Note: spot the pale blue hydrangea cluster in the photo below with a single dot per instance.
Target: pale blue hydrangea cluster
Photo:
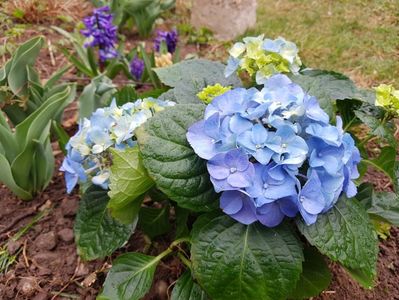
(273, 153)
(262, 58)
(88, 158)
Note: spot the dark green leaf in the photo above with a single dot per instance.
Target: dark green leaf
(182, 215)
(385, 162)
(129, 178)
(386, 206)
(97, 234)
(126, 94)
(171, 162)
(234, 261)
(315, 277)
(186, 289)
(327, 87)
(378, 128)
(130, 277)
(346, 235)
(154, 221)
(189, 77)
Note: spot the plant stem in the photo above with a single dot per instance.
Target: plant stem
(171, 247)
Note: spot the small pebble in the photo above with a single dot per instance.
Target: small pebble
(46, 241)
(66, 235)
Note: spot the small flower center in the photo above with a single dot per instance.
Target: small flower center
(258, 146)
(265, 185)
(302, 199)
(284, 145)
(233, 170)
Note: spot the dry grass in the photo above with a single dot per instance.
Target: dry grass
(45, 11)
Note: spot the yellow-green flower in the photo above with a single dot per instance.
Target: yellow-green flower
(212, 91)
(262, 58)
(387, 96)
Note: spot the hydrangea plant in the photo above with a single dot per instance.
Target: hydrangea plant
(258, 186)
(88, 158)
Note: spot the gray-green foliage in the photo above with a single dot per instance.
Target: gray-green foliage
(26, 157)
(28, 110)
(21, 89)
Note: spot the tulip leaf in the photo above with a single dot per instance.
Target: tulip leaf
(176, 170)
(24, 56)
(385, 205)
(129, 178)
(189, 77)
(346, 235)
(249, 262)
(97, 233)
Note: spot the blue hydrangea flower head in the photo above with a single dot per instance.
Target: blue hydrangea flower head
(230, 170)
(100, 32)
(170, 38)
(88, 157)
(137, 68)
(272, 152)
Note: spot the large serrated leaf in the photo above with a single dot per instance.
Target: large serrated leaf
(189, 77)
(385, 205)
(234, 261)
(315, 276)
(327, 87)
(129, 178)
(171, 162)
(97, 234)
(385, 162)
(130, 277)
(154, 221)
(346, 235)
(186, 289)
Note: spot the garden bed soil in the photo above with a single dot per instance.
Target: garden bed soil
(48, 267)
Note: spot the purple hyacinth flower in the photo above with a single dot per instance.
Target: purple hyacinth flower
(238, 206)
(231, 170)
(169, 37)
(100, 32)
(137, 68)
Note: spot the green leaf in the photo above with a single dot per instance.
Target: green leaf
(186, 289)
(33, 125)
(7, 179)
(171, 162)
(24, 56)
(385, 162)
(234, 261)
(154, 221)
(129, 178)
(182, 215)
(62, 136)
(327, 87)
(129, 213)
(385, 205)
(97, 234)
(378, 128)
(346, 235)
(189, 77)
(126, 94)
(130, 277)
(315, 278)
